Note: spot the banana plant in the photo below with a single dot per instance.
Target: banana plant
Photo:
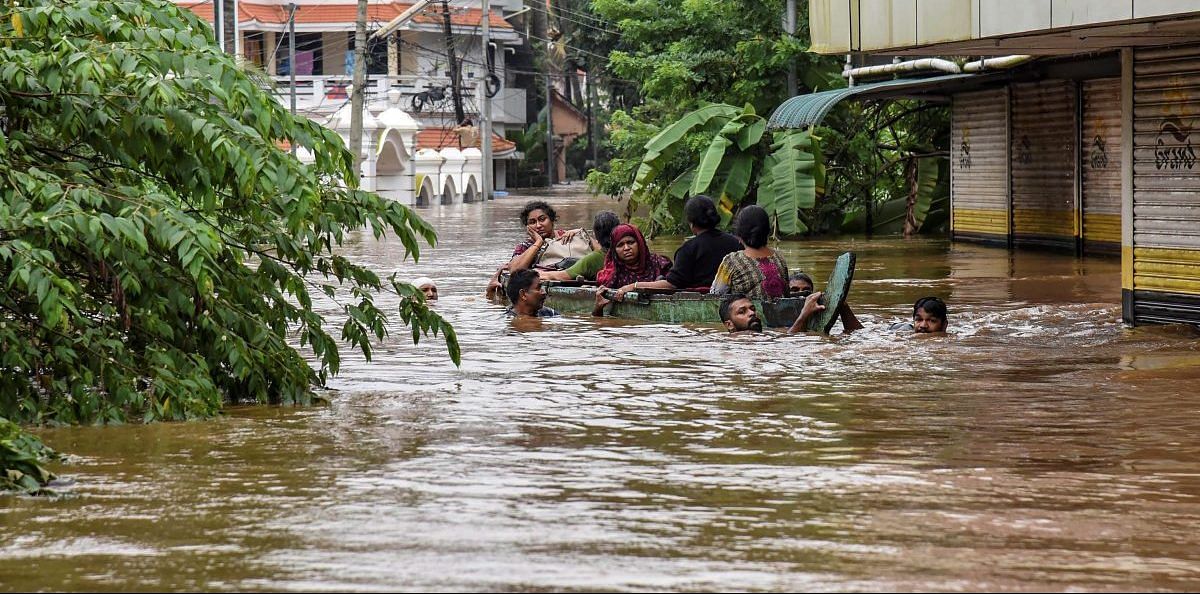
(735, 146)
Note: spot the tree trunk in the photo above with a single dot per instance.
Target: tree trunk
(910, 176)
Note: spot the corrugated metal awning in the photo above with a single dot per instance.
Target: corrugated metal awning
(803, 111)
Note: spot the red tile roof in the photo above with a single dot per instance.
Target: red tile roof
(439, 138)
(378, 13)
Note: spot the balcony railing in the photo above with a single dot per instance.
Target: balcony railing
(329, 92)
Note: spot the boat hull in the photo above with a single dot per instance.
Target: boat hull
(675, 308)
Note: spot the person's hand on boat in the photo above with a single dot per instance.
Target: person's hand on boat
(601, 302)
(620, 294)
(812, 305)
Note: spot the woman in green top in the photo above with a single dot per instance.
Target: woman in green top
(587, 266)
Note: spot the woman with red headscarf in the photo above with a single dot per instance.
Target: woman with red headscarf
(629, 261)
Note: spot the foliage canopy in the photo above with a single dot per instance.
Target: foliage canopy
(159, 252)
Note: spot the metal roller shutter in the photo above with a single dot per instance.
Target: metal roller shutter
(1101, 164)
(1166, 185)
(979, 166)
(1043, 161)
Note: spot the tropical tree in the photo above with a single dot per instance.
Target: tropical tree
(685, 55)
(788, 172)
(159, 251)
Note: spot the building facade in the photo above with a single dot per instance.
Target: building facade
(1072, 123)
(408, 73)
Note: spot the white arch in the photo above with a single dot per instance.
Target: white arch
(449, 193)
(471, 191)
(426, 193)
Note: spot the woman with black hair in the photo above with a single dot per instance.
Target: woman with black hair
(757, 270)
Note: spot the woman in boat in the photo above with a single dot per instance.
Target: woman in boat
(696, 261)
(544, 245)
(629, 260)
(757, 271)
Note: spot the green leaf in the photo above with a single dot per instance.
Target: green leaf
(737, 180)
(679, 188)
(663, 145)
(751, 134)
(709, 164)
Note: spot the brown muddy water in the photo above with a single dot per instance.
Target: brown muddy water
(1039, 446)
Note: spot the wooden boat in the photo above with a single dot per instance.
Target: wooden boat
(676, 307)
(672, 307)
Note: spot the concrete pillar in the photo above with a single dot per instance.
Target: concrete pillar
(393, 51)
(1127, 185)
(270, 42)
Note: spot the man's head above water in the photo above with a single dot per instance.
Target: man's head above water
(929, 315)
(800, 284)
(525, 292)
(738, 314)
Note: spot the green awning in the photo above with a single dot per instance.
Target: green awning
(803, 111)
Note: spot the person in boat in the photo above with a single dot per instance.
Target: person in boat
(630, 260)
(590, 265)
(739, 314)
(757, 271)
(929, 317)
(696, 261)
(426, 285)
(544, 245)
(527, 296)
(799, 285)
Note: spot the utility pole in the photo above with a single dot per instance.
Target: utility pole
(485, 106)
(593, 134)
(292, 57)
(789, 25)
(551, 162)
(455, 76)
(359, 82)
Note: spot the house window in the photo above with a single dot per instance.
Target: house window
(310, 55)
(252, 47)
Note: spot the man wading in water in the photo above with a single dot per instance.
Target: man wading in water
(739, 315)
(929, 317)
(527, 296)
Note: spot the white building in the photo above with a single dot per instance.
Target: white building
(408, 84)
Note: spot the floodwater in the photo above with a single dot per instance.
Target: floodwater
(1039, 446)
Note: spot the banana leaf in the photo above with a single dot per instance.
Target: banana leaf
(662, 147)
(713, 156)
(737, 180)
(766, 188)
(749, 135)
(679, 187)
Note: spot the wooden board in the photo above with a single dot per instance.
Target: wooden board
(835, 293)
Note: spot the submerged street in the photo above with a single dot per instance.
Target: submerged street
(1041, 445)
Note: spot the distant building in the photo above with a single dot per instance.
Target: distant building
(408, 72)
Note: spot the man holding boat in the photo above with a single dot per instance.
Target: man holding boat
(738, 314)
